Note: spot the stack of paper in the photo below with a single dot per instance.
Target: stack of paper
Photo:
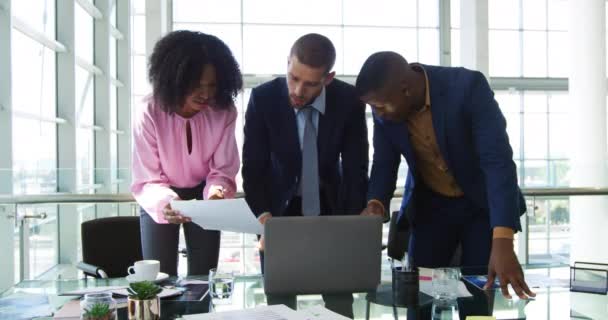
(277, 312)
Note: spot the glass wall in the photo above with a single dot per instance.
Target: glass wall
(34, 78)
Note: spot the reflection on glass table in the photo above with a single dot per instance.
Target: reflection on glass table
(553, 301)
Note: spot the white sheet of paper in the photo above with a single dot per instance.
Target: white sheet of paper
(426, 284)
(121, 290)
(276, 312)
(322, 313)
(225, 215)
(84, 291)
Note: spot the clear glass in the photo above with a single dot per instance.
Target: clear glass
(558, 13)
(535, 125)
(33, 76)
(229, 33)
(559, 125)
(455, 13)
(141, 86)
(550, 303)
(503, 14)
(559, 54)
(534, 14)
(455, 51)
(43, 239)
(504, 53)
(34, 156)
(535, 54)
(445, 282)
(139, 6)
(84, 34)
(41, 17)
(221, 285)
(445, 309)
(428, 13)
(361, 42)
(381, 13)
(207, 11)
(139, 35)
(271, 58)
(93, 305)
(314, 12)
(535, 173)
(428, 46)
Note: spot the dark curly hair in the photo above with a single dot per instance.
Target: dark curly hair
(176, 65)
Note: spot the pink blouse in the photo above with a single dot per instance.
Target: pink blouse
(161, 159)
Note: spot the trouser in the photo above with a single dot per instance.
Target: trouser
(341, 303)
(442, 224)
(160, 241)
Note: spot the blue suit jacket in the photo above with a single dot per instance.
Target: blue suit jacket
(272, 158)
(471, 134)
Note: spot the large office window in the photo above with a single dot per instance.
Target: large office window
(85, 103)
(260, 33)
(532, 45)
(34, 126)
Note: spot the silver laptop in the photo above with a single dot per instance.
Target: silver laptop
(327, 254)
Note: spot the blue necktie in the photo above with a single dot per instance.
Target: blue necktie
(310, 167)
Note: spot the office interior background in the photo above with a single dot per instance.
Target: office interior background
(72, 72)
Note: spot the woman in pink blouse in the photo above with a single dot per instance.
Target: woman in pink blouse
(184, 145)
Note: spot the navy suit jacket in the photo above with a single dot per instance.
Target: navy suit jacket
(272, 158)
(472, 137)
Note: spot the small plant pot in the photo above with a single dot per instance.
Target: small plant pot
(144, 309)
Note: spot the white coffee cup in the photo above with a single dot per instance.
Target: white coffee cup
(144, 270)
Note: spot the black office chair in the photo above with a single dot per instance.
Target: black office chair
(398, 237)
(110, 246)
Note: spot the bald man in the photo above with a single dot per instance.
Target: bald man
(461, 187)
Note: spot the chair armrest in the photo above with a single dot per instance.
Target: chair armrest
(92, 270)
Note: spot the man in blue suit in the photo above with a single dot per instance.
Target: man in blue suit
(461, 187)
(305, 150)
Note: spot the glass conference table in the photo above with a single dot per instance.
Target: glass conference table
(556, 302)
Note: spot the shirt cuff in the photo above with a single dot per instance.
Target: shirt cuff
(384, 211)
(213, 188)
(503, 233)
(262, 215)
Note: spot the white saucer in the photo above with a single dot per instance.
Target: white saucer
(159, 277)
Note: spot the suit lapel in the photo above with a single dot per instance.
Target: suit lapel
(325, 122)
(439, 112)
(289, 127)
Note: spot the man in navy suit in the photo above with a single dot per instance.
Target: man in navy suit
(305, 150)
(461, 187)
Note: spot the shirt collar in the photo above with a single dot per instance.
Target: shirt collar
(427, 97)
(319, 102)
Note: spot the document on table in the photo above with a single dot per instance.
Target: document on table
(322, 313)
(120, 290)
(224, 215)
(426, 284)
(276, 312)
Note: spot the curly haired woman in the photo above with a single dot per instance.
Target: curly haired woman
(184, 145)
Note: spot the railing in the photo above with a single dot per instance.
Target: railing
(534, 196)
(127, 197)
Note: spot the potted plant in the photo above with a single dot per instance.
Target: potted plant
(98, 306)
(98, 311)
(143, 301)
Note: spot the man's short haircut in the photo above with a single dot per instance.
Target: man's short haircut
(377, 70)
(314, 50)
